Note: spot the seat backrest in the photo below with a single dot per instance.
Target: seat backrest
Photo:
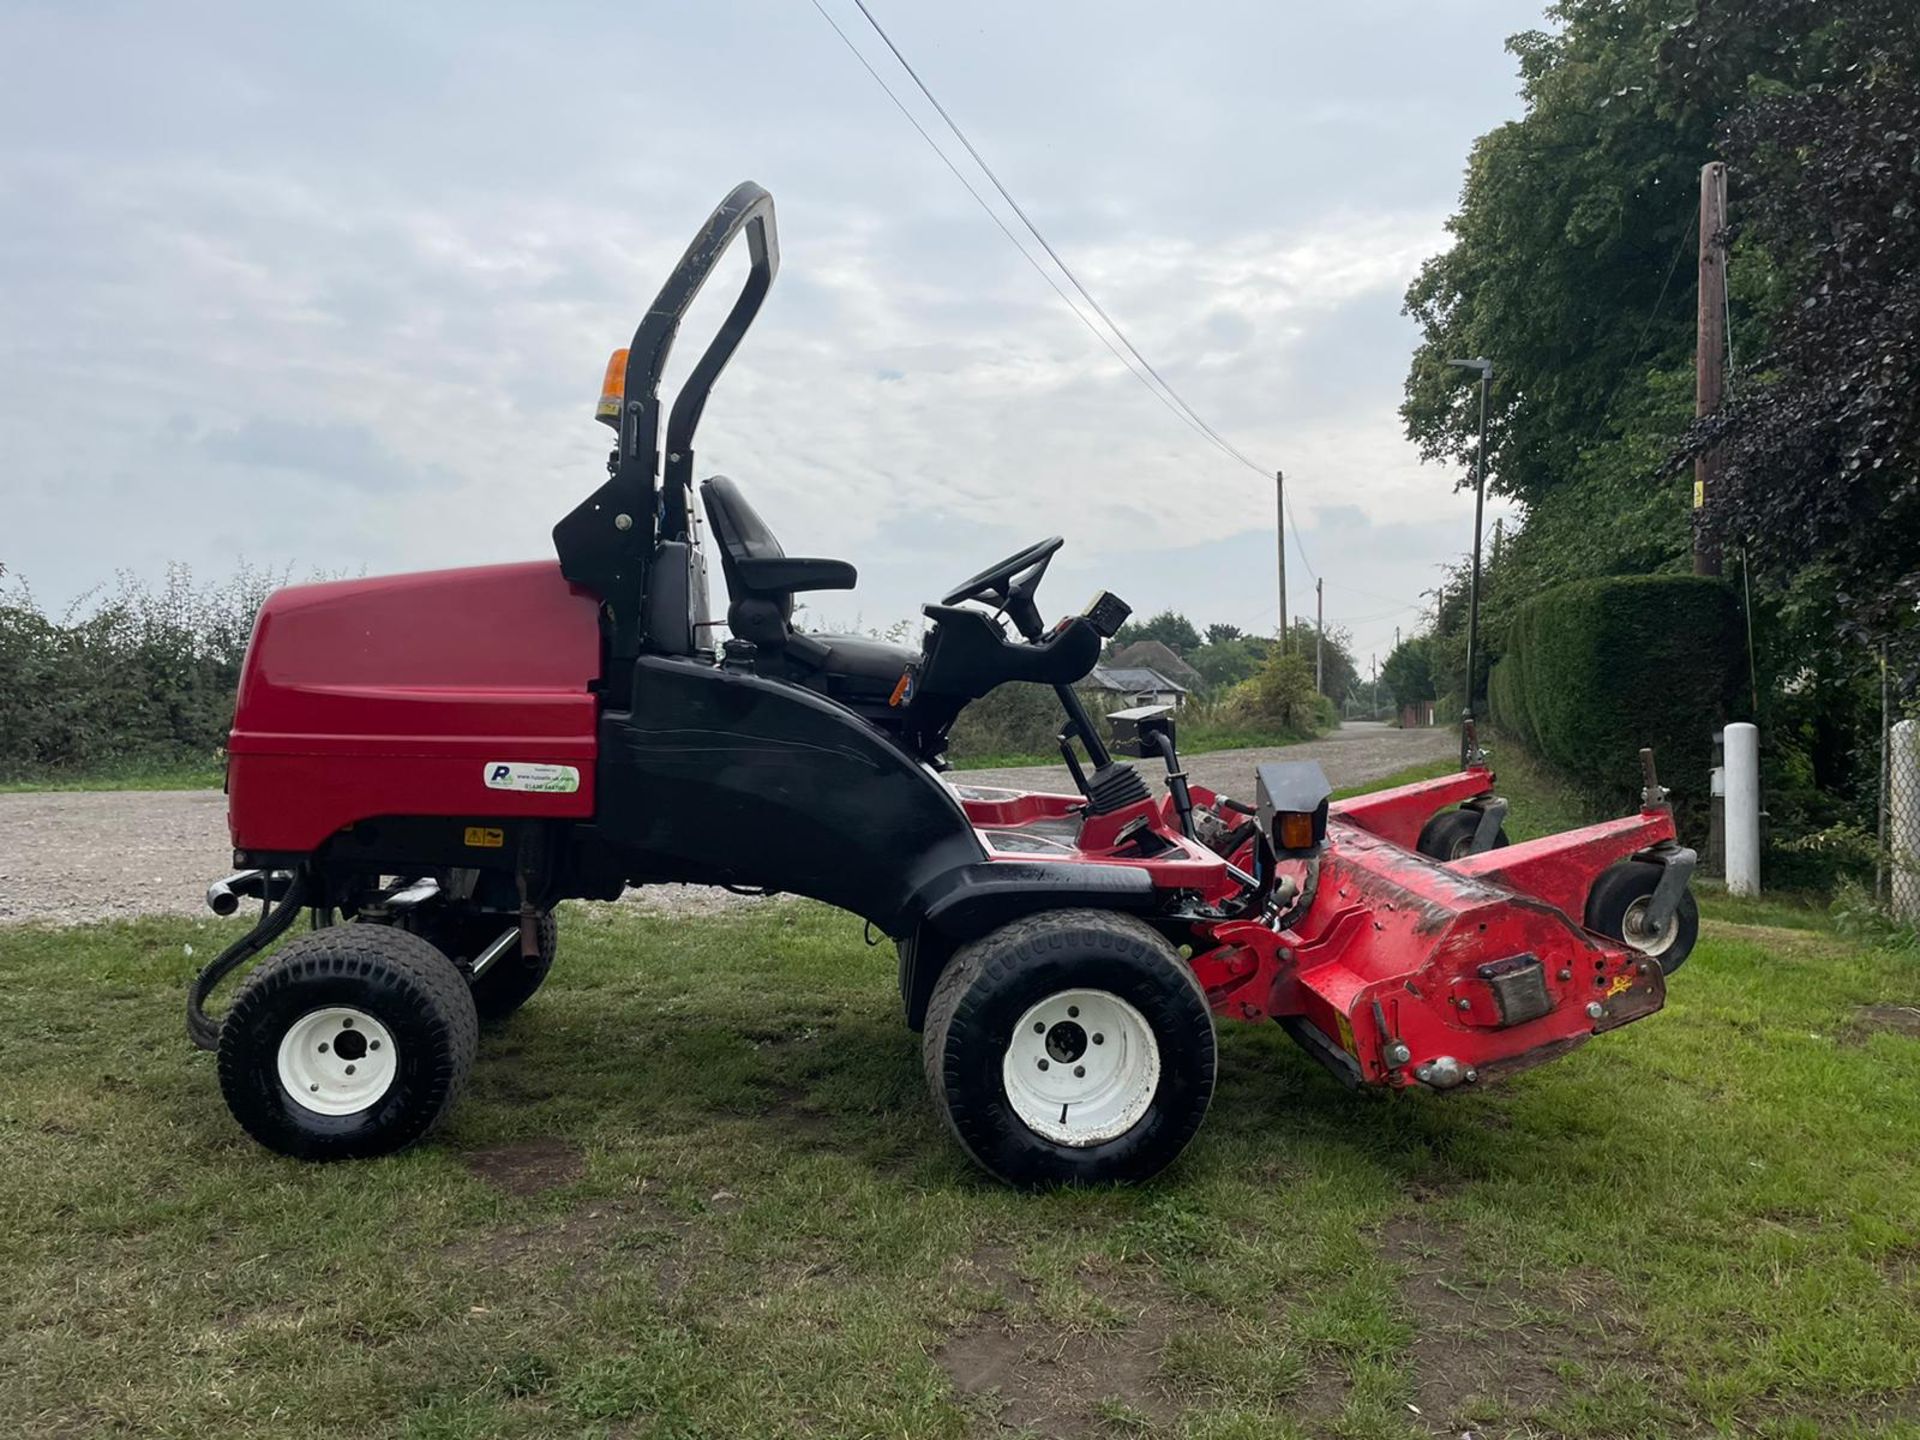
(762, 618)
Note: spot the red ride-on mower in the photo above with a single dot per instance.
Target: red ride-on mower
(427, 764)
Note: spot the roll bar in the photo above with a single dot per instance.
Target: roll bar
(604, 543)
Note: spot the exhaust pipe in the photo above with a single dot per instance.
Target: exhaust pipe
(224, 896)
(484, 960)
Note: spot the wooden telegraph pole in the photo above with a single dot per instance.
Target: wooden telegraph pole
(1710, 346)
(1320, 638)
(1280, 533)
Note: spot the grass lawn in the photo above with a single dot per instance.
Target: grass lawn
(697, 1190)
(207, 776)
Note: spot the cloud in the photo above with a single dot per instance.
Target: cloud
(382, 258)
(335, 453)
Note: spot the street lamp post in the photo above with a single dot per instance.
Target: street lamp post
(1485, 367)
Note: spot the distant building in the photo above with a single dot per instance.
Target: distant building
(1137, 685)
(1156, 655)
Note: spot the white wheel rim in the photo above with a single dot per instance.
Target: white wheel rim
(1635, 931)
(337, 1060)
(1082, 1067)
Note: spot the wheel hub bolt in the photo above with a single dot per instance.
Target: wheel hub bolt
(1079, 1072)
(1043, 1065)
(1073, 1012)
(323, 1047)
(1098, 1038)
(349, 1069)
(1039, 1027)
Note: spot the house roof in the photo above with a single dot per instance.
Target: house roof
(1130, 679)
(1156, 655)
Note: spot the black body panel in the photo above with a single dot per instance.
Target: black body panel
(721, 776)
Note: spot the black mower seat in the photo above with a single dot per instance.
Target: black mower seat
(762, 580)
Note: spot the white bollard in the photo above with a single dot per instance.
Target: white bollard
(1903, 818)
(1742, 747)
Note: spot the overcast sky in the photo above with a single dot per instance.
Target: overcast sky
(333, 285)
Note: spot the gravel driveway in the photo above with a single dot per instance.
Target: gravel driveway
(72, 856)
(1359, 751)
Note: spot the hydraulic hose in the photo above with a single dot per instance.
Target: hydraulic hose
(202, 1029)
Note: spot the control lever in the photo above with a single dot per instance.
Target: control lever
(1176, 781)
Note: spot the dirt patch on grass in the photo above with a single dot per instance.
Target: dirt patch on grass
(1780, 938)
(577, 1252)
(528, 1167)
(1024, 1373)
(1886, 1020)
(1489, 1352)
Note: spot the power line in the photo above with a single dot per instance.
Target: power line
(1045, 244)
(981, 201)
(1165, 392)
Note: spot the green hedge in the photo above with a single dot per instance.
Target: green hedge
(1596, 669)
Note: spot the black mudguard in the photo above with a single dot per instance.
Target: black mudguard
(720, 776)
(965, 903)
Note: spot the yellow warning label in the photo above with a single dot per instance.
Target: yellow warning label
(1621, 984)
(1346, 1036)
(485, 837)
(1699, 493)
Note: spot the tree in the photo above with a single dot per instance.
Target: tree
(1169, 627)
(1223, 663)
(1819, 440)
(1408, 671)
(1568, 223)
(1342, 676)
(1221, 634)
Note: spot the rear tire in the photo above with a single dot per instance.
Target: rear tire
(1449, 835)
(1084, 1009)
(510, 981)
(352, 1041)
(1617, 905)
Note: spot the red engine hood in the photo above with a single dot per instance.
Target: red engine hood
(393, 696)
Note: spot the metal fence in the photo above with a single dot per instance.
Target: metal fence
(1899, 878)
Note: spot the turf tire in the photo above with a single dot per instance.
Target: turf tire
(990, 984)
(1623, 888)
(410, 988)
(1449, 835)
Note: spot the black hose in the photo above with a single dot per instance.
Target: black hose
(1305, 902)
(202, 1029)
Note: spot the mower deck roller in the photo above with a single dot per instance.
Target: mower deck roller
(425, 765)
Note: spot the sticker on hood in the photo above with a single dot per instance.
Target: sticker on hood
(531, 776)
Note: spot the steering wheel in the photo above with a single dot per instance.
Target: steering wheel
(1009, 586)
(995, 584)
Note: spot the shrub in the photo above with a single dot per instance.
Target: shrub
(1596, 669)
(1281, 694)
(146, 676)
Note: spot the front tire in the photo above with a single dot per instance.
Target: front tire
(352, 1041)
(1071, 1047)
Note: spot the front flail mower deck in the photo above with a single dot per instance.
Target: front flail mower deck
(1399, 968)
